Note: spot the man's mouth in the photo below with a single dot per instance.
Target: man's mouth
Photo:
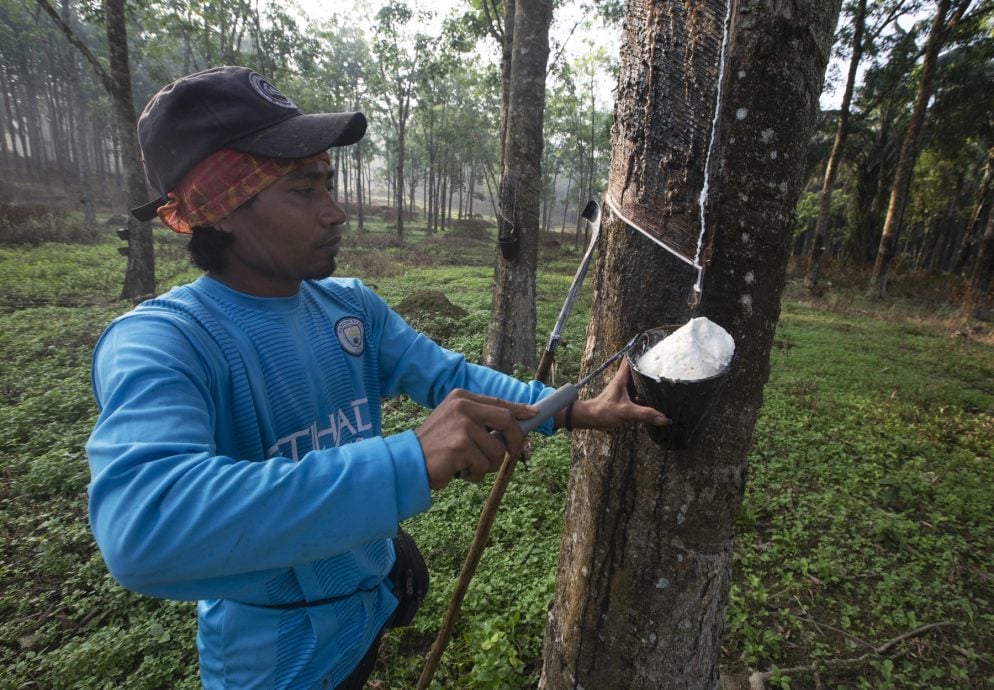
(333, 243)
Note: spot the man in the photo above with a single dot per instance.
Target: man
(237, 458)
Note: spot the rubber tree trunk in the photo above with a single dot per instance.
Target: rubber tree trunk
(909, 154)
(832, 167)
(646, 554)
(511, 330)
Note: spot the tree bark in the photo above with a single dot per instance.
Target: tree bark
(645, 563)
(832, 167)
(909, 153)
(511, 330)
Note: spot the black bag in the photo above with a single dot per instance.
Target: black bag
(410, 580)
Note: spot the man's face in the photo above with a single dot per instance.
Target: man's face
(291, 232)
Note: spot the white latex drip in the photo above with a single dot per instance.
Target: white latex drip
(706, 187)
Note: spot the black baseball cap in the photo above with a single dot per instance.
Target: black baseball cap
(229, 107)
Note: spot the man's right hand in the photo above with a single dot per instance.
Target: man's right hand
(456, 437)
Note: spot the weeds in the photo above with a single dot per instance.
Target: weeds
(34, 225)
(866, 515)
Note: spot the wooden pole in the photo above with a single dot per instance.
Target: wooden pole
(468, 569)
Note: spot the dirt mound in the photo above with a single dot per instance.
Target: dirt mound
(430, 312)
(425, 303)
(471, 228)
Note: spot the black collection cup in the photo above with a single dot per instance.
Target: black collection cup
(687, 404)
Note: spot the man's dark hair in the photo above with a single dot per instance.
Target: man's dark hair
(207, 248)
(208, 244)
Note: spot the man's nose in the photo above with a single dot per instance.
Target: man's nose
(332, 213)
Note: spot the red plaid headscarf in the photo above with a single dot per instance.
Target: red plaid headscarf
(221, 183)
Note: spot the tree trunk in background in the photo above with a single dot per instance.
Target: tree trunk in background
(983, 268)
(646, 554)
(359, 188)
(15, 124)
(78, 138)
(32, 124)
(909, 154)
(139, 278)
(8, 141)
(507, 48)
(981, 207)
(511, 331)
(399, 169)
(832, 168)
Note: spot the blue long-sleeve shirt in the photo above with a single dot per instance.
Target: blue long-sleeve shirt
(237, 460)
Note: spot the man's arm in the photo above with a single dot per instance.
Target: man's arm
(174, 518)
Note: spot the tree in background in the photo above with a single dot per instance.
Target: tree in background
(511, 330)
(983, 199)
(947, 14)
(338, 80)
(185, 36)
(645, 562)
(139, 278)
(61, 129)
(880, 104)
(958, 141)
(398, 61)
(577, 134)
(835, 158)
(982, 275)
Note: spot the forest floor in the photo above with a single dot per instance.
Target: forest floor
(864, 550)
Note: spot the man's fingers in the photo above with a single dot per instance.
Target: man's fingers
(518, 410)
(494, 418)
(468, 436)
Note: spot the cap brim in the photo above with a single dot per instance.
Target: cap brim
(304, 135)
(147, 212)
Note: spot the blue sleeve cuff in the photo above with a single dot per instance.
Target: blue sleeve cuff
(546, 428)
(413, 493)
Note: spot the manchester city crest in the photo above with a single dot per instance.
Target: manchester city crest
(350, 334)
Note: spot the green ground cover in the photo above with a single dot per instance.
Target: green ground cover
(867, 514)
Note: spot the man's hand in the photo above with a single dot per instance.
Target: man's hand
(456, 437)
(613, 407)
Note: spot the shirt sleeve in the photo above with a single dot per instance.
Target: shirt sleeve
(413, 364)
(173, 518)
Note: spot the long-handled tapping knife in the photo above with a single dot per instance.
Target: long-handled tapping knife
(547, 407)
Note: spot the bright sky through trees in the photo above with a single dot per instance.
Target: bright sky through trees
(581, 31)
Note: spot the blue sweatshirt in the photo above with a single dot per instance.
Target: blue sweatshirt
(237, 460)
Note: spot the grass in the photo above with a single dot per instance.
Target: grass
(867, 511)
(866, 516)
